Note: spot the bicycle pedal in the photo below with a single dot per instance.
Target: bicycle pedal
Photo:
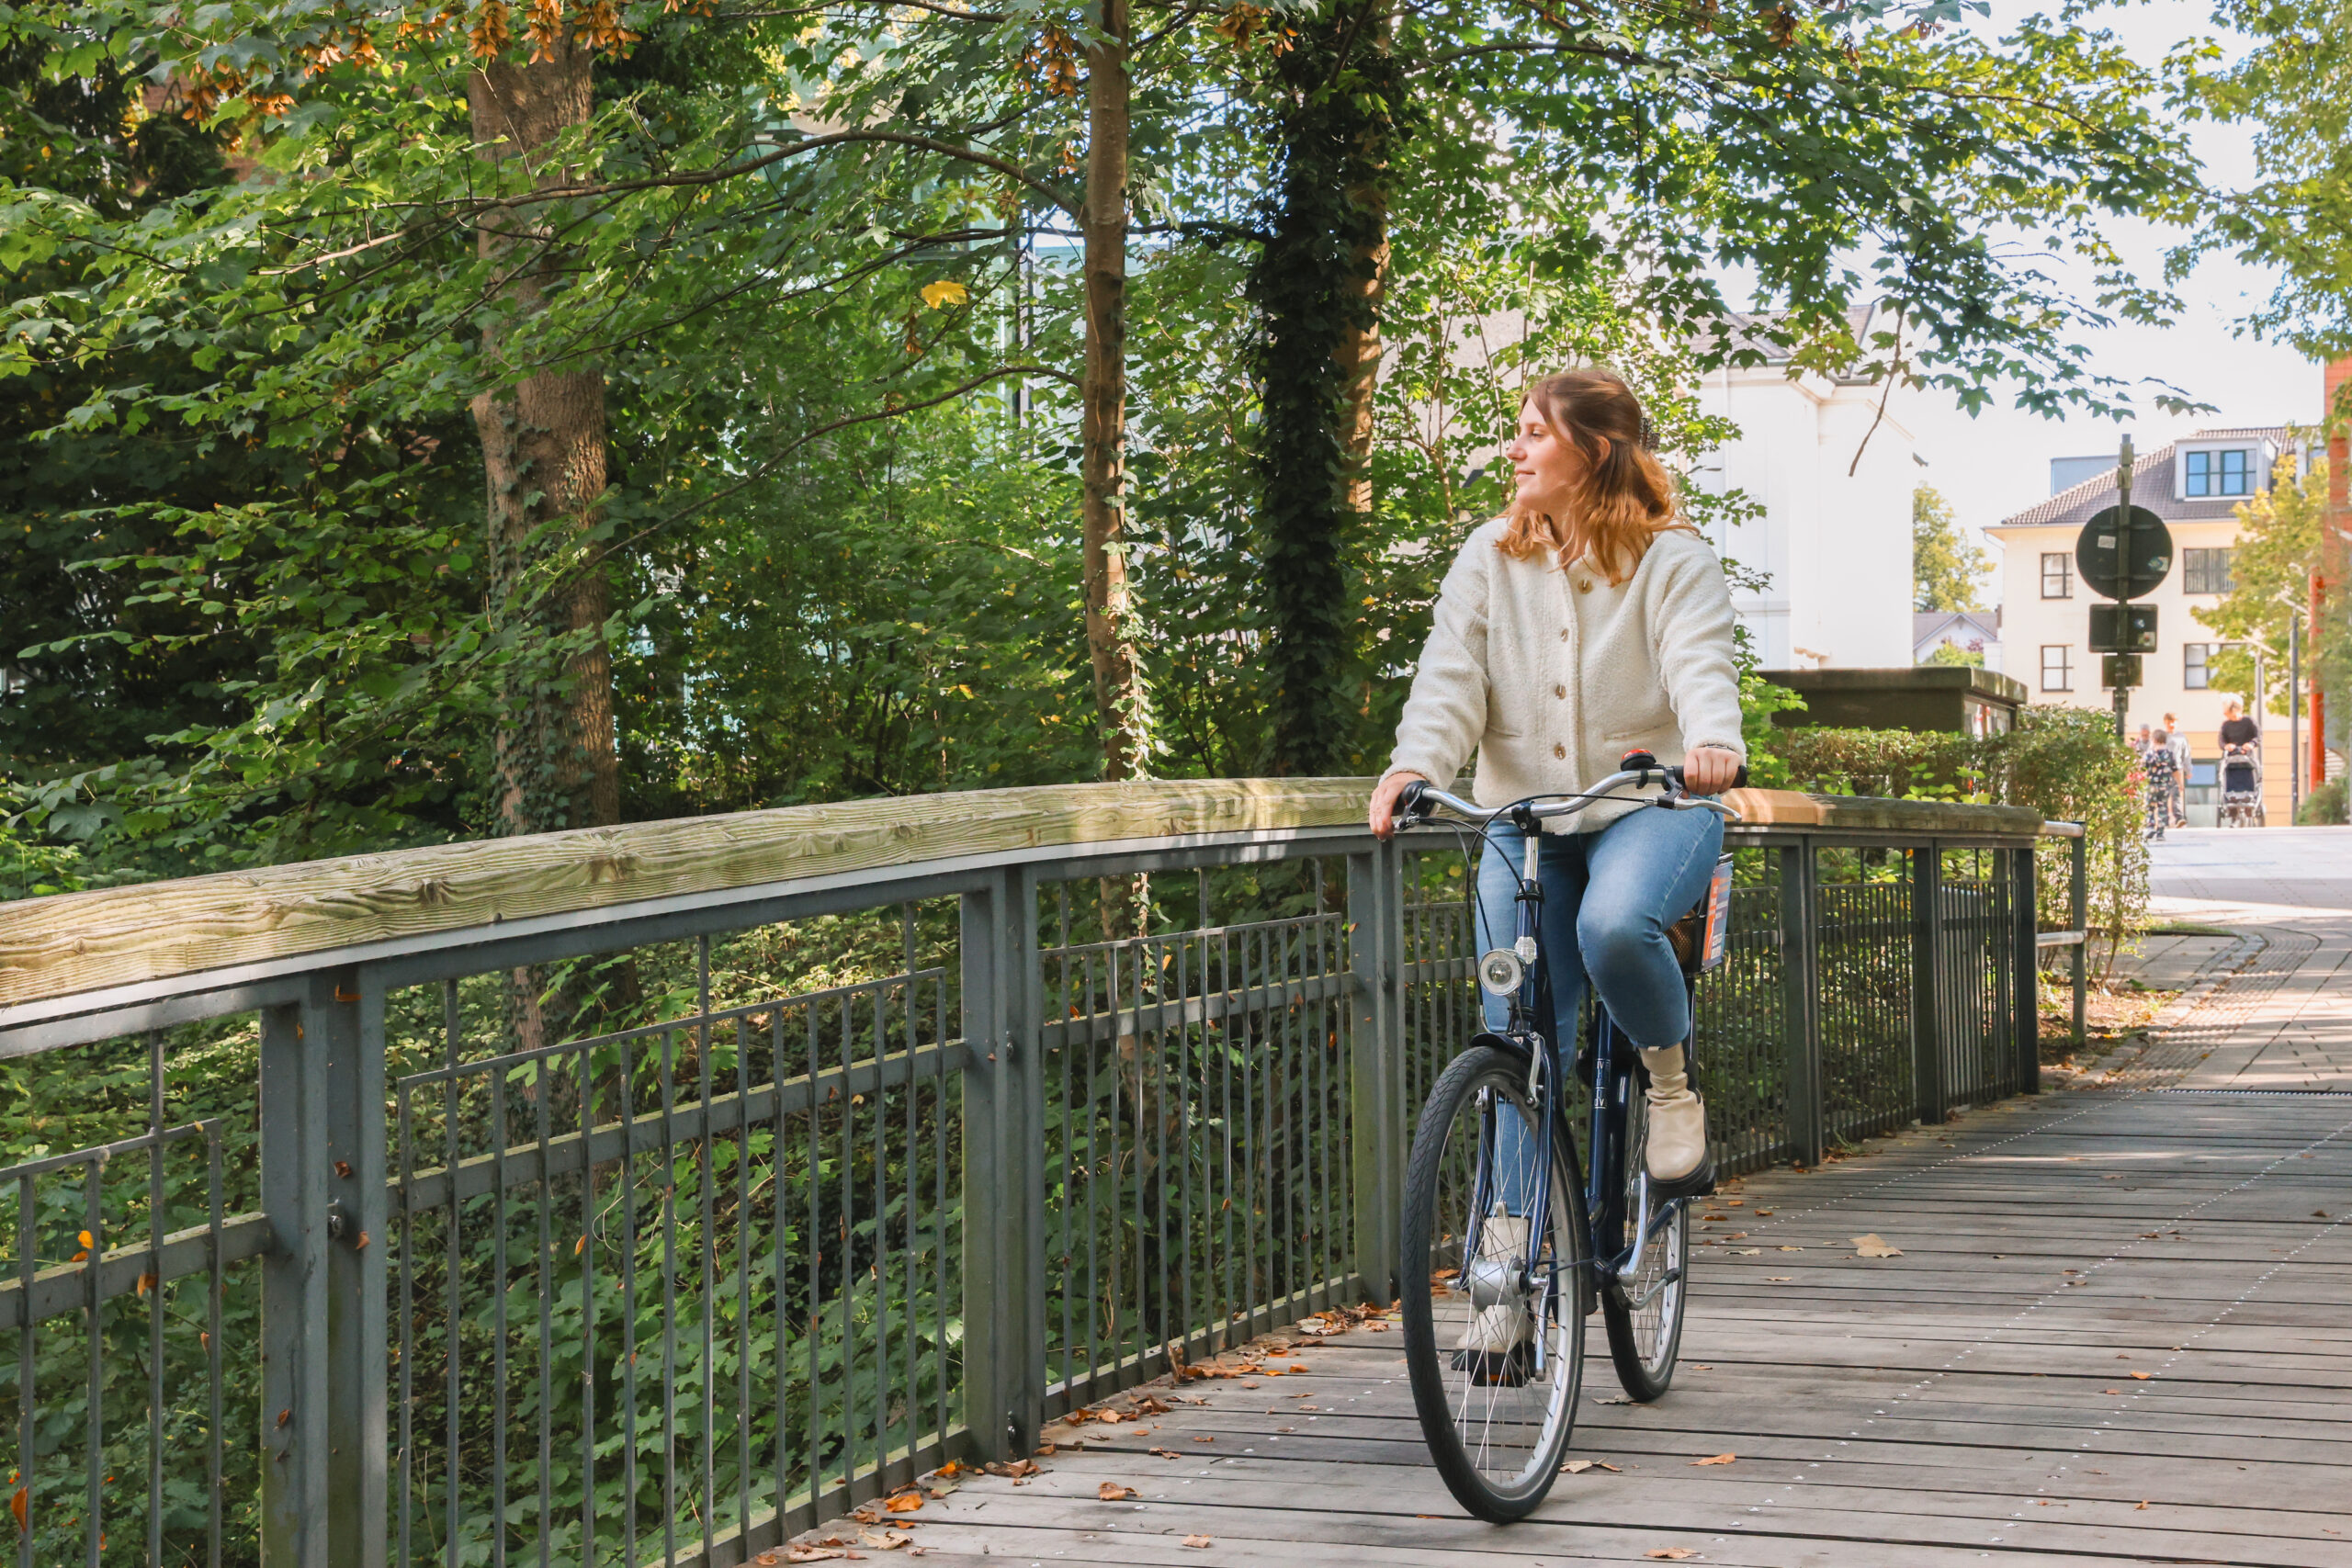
(1497, 1368)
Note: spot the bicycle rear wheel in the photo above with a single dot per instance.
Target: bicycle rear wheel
(1496, 1420)
(1642, 1310)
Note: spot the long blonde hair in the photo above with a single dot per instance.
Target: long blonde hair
(1626, 497)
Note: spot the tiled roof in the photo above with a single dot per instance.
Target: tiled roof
(2152, 487)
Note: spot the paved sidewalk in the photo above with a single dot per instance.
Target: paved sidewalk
(2272, 1009)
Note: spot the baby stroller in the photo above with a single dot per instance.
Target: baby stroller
(2241, 787)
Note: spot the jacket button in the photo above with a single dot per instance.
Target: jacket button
(1564, 634)
(1559, 691)
(1559, 750)
(1584, 585)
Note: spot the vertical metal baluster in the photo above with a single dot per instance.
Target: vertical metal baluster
(93, 1248)
(1226, 1036)
(1126, 963)
(544, 1081)
(940, 1113)
(154, 1298)
(668, 1086)
(627, 1197)
(1324, 1022)
(880, 1117)
(586, 1068)
(216, 1445)
(743, 1285)
(1069, 1192)
(1182, 1030)
(707, 1173)
(1085, 1102)
(909, 1253)
(451, 1026)
(845, 1201)
(816, 1261)
(27, 1268)
(495, 1082)
(777, 1181)
(1159, 1197)
(407, 1124)
(1252, 947)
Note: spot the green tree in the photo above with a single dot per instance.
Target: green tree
(1946, 569)
(2278, 550)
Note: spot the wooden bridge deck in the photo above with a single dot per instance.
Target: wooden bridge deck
(2117, 1331)
(2120, 1332)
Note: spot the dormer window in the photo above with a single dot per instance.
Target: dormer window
(2226, 472)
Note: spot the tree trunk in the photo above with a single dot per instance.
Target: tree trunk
(1317, 282)
(544, 458)
(543, 452)
(1110, 634)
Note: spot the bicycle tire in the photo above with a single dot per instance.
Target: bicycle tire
(1643, 1317)
(1457, 1400)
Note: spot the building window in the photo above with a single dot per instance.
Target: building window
(2057, 575)
(2219, 473)
(2194, 662)
(2057, 667)
(2205, 572)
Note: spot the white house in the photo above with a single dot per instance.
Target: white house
(1833, 466)
(1970, 631)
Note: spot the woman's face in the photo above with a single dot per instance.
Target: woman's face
(2231, 710)
(1544, 462)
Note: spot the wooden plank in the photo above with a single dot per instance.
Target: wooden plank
(75, 942)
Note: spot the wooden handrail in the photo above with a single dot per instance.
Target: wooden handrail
(75, 942)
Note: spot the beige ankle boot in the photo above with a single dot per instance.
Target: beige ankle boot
(1677, 1133)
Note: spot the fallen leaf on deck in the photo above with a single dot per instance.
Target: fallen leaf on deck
(2143, 1377)
(905, 1503)
(1778, 1279)
(1205, 1440)
(1575, 1467)
(1168, 1453)
(1196, 1540)
(1763, 1213)
(1111, 1492)
(1018, 1467)
(1785, 1248)
(1746, 1252)
(1717, 1459)
(1874, 1247)
(1149, 1406)
(1672, 1553)
(883, 1542)
(811, 1553)
(1701, 1367)
(943, 1488)
(2143, 1503)
(1112, 1416)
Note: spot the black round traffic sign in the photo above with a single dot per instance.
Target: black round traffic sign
(2100, 553)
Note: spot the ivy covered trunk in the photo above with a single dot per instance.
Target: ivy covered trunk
(1316, 283)
(555, 761)
(543, 453)
(1110, 615)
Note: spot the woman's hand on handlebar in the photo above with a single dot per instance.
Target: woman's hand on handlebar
(1710, 769)
(1383, 802)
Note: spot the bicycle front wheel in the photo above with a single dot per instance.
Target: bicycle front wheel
(1494, 1335)
(1642, 1309)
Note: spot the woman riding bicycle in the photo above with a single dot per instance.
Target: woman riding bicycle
(1589, 621)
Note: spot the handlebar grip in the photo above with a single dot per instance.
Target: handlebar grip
(1738, 780)
(1414, 803)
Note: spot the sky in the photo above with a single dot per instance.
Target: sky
(1998, 463)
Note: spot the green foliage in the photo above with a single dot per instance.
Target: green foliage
(1946, 569)
(2277, 554)
(2065, 762)
(2323, 807)
(1951, 653)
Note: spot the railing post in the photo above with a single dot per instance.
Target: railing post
(1005, 1347)
(1801, 1001)
(323, 1328)
(2078, 911)
(1376, 935)
(1928, 987)
(2025, 926)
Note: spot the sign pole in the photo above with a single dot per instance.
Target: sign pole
(2123, 553)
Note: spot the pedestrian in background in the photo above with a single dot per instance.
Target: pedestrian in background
(2156, 766)
(2179, 770)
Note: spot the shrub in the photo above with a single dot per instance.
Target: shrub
(2323, 807)
(2067, 763)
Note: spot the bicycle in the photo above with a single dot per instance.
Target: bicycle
(1602, 1239)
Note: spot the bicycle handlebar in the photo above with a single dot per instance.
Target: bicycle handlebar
(1421, 799)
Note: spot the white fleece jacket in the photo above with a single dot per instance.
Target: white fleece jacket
(1554, 675)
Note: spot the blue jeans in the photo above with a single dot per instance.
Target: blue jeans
(1607, 898)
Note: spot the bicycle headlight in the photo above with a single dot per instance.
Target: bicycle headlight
(1500, 971)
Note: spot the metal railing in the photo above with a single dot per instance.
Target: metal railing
(653, 1231)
